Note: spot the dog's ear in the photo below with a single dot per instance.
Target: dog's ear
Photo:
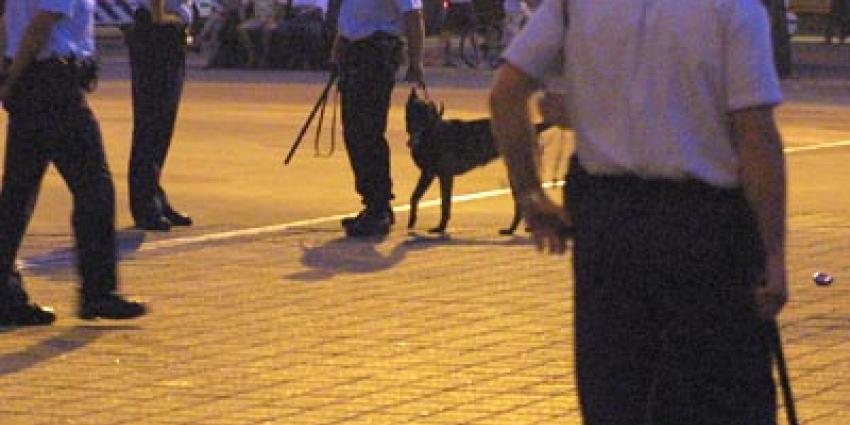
(442, 109)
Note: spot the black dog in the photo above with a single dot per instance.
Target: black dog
(444, 149)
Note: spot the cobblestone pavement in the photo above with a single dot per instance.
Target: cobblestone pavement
(303, 327)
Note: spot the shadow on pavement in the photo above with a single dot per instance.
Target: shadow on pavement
(355, 256)
(55, 346)
(62, 260)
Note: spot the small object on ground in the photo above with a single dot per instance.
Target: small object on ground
(822, 279)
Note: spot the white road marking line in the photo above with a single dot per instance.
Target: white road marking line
(818, 146)
(254, 231)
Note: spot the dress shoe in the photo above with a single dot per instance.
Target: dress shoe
(177, 218)
(370, 222)
(110, 306)
(26, 314)
(156, 223)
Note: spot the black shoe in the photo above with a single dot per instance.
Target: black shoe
(110, 306)
(26, 314)
(370, 222)
(177, 218)
(155, 223)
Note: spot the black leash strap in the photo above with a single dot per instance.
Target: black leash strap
(320, 104)
(775, 344)
(317, 151)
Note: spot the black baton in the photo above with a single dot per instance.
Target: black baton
(323, 98)
(775, 343)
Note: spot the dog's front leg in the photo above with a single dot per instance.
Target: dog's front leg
(446, 184)
(514, 222)
(424, 183)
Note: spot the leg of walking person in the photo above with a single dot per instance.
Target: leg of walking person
(367, 79)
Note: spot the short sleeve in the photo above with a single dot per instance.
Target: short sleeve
(408, 5)
(751, 78)
(538, 48)
(65, 7)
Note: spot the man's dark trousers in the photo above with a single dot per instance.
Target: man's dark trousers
(367, 77)
(666, 329)
(50, 121)
(158, 67)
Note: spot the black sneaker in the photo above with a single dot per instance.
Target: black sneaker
(370, 222)
(26, 314)
(111, 306)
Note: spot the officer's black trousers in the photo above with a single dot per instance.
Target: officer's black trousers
(367, 77)
(666, 329)
(158, 67)
(50, 121)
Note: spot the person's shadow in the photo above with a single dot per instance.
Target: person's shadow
(58, 345)
(60, 262)
(355, 256)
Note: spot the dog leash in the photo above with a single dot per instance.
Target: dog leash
(323, 98)
(317, 151)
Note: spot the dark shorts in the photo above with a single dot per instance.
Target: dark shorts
(459, 17)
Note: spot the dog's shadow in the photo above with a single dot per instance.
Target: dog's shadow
(362, 256)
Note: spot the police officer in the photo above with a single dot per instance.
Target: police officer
(50, 46)
(677, 194)
(368, 52)
(157, 45)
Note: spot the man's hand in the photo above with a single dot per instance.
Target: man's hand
(553, 108)
(549, 223)
(771, 289)
(415, 74)
(5, 90)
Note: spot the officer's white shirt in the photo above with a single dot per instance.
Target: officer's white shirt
(72, 36)
(182, 8)
(650, 83)
(359, 19)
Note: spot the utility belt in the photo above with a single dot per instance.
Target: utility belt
(83, 70)
(378, 38)
(143, 26)
(381, 46)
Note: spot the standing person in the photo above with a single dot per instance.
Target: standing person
(459, 18)
(51, 49)
(677, 195)
(157, 45)
(267, 15)
(368, 51)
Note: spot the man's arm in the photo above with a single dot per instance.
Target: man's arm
(517, 142)
(762, 172)
(35, 38)
(160, 16)
(414, 33)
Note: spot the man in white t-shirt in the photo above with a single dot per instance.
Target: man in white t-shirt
(676, 194)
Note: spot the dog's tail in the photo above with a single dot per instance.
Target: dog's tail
(542, 126)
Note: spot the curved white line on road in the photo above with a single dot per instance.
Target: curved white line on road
(254, 231)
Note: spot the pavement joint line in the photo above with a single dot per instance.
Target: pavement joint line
(275, 228)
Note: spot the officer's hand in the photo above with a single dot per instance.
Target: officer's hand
(415, 74)
(554, 109)
(5, 89)
(548, 222)
(771, 289)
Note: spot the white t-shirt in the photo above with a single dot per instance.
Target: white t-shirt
(650, 83)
